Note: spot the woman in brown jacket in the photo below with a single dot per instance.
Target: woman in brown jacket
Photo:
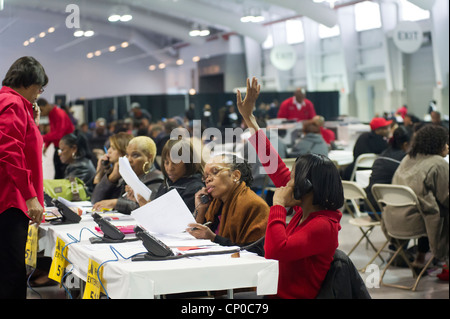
(236, 214)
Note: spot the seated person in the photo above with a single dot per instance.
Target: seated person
(238, 216)
(426, 172)
(141, 153)
(374, 141)
(107, 176)
(327, 134)
(74, 151)
(386, 164)
(180, 172)
(306, 246)
(311, 142)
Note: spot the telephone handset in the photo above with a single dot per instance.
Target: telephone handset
(156, 248)
(205, 199)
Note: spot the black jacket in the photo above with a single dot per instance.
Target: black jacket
(343, 280)
(186, 187)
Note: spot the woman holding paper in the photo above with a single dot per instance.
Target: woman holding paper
(236, 214)
(141, 152)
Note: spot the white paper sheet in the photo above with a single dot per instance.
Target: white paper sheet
(132, 180)
(167, 214)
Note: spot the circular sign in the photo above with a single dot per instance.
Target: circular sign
(283, 57)
(408, 36)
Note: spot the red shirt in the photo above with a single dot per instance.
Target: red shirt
(289, 110)
(20, 152)
(60, 125)
(304, 252)
(328, 135)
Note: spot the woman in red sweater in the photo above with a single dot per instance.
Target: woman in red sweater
(21, 190)
(306, 246)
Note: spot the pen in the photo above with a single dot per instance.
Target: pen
(205, 224)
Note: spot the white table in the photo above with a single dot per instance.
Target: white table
(150, 279)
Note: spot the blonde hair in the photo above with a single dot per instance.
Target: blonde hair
(146, 145)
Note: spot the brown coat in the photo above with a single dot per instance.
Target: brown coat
(244, 215)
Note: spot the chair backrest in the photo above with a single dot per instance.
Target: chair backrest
(395, 195)
(363, 161)
(398, 196)
(353, 192)
(343, 280)
(290, 162)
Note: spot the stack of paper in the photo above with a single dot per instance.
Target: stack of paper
(132, 180)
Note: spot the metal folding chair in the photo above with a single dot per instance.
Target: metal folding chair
(390, 197)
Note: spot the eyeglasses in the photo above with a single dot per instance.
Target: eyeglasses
(214, 172)
(41, 90)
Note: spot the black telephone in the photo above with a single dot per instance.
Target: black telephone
(205, 199)
(111, 234)
(157, 250)
(48, 200)
(67, 215)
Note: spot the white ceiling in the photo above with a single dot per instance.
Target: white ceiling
(157, 29)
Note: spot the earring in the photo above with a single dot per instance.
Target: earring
(143, 167)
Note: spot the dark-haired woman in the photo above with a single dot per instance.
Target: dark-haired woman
(426, 172)
(182, 170)
(305, 247)
(21, 190)
(238, 216)
(75, 152)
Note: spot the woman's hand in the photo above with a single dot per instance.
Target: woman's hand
(199, 206)
(284, 196)
(104, 204)
(130, 196)
(200, 231)
(114, 176)
(247, 105)
(35, 210)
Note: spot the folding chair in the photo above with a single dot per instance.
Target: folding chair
(353, 193)
(389, 198)
(364, 161)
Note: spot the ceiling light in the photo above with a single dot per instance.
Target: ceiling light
(162, 65)
(114, 18)
(32, 40)
(97, 53)
(180, 62)
(90, 55)
(112, 48)
(26, 43)
(78, 33)
(126, 17)
(51, 30)
(192, 91)
(196, 59)
(199, 31)
(124, 44)
(252, 15)
(120, 13)
(42, 34)
(89, 33)
(152, 67)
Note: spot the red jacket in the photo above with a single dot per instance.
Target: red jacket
(60, 125)
(304, 251)
(288, 110)
(20, 152)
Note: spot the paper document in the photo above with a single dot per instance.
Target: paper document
(167, 214)
(132, 180)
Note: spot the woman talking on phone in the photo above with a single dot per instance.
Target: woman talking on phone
(305, 247)
(21, 190)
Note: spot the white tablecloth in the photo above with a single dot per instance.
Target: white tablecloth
(147, 279)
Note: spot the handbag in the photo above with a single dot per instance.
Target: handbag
(72, 189)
